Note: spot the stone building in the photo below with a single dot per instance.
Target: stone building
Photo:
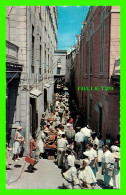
(97, 89)
(59, 67)
(31, 34)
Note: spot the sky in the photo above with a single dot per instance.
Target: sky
(69, 24)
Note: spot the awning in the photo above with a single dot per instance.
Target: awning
(35, 93)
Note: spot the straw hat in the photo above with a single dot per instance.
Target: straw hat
(19, 127)
(86, 153)
(116, 155)
(68, 124)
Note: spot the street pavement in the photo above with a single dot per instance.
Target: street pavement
(46, 176)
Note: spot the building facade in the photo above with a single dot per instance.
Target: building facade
(32, 30)
(98, 48)
(59, 68)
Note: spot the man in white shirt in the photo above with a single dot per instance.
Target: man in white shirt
(61, 148)
(92, 154)
(86, 133)
(94, 140)
(107, 164)
(71, 177)
(70, 157)
(61, 130)
(79, 138)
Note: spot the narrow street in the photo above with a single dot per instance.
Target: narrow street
(63, 97)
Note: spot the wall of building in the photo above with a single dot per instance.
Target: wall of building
(20, 20)
(101, 99)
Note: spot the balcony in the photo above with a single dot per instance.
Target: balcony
(12, 65)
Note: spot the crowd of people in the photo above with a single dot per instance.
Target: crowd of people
(80, 152)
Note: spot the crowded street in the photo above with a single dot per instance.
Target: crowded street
(54, 153)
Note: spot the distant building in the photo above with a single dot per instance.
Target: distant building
(31, 34)
(59, 67)
(97, 50)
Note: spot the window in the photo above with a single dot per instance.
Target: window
(87, 51)
(48, 64)
(102, 41)
(91, 49)
(32, 57)
(58, 70)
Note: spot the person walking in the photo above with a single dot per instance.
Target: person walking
(79, 138)
(61, 149)
(94, 140)
(71, 177)
(92, 154)
(107, 165)
(86, 175)
(40, 143)
(33, 147)
(86, 133)
(100, 150)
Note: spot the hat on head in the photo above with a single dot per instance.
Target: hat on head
(116, 155)
(86, 153)
(19, 127)
(116, 142)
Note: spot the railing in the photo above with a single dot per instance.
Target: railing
(11, 52)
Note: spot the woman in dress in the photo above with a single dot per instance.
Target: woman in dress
(18, 138)
(86, 175)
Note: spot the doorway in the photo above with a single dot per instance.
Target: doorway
(45, 99)
(33, 119)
